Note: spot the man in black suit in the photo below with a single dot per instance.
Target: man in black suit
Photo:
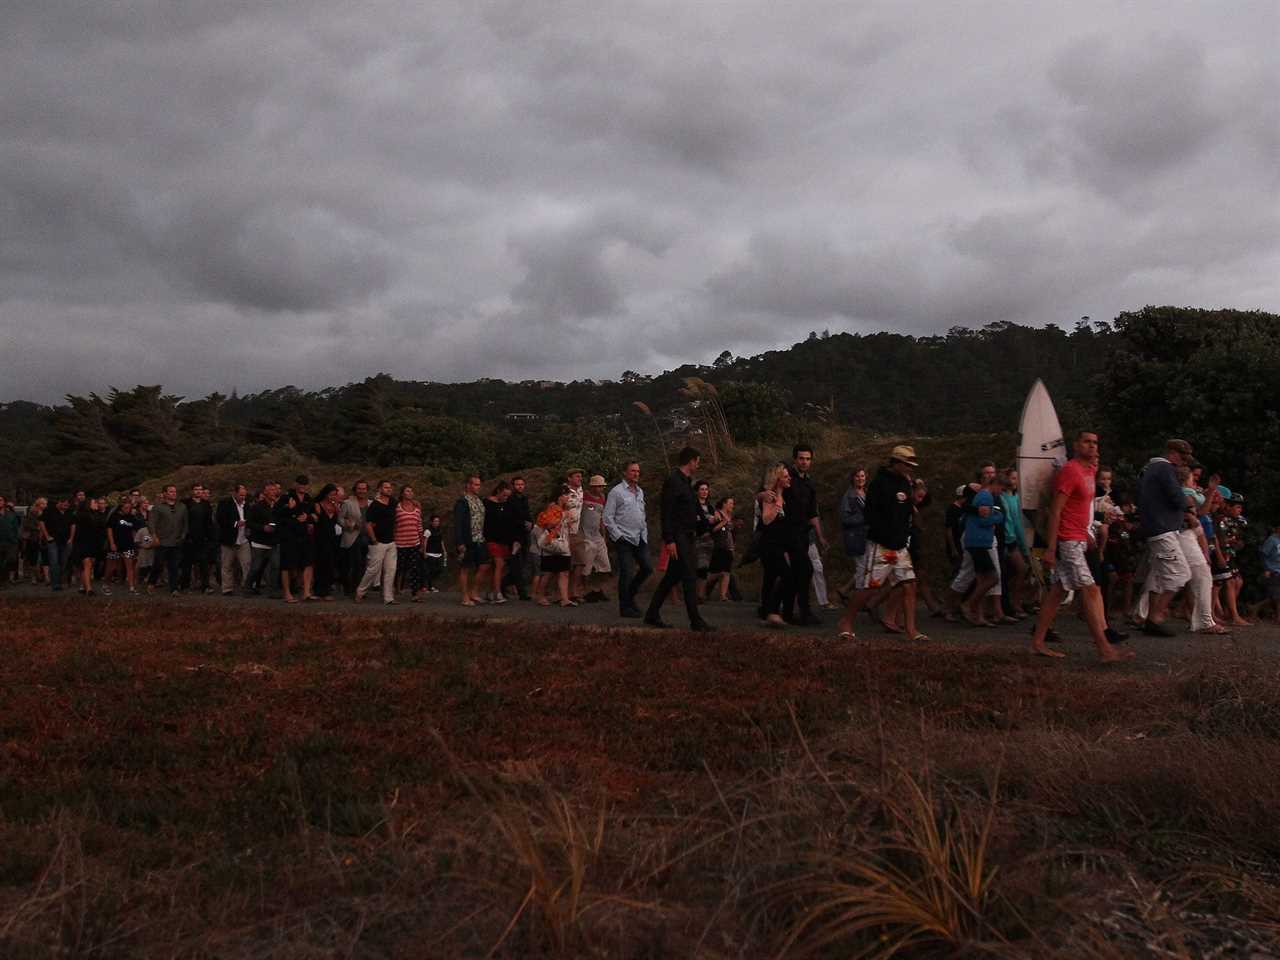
(233, 538)
(198, 548)
(680, 519)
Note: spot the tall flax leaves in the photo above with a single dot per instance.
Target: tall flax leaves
(662, 443)
(715, 424)
(928, 885)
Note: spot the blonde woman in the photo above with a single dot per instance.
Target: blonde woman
(774, 541)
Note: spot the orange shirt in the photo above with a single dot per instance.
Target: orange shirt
(1077, 481)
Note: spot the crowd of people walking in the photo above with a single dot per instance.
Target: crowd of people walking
(1167, 544)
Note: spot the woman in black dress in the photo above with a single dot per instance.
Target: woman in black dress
(774, 540)
(120, 542)
(291, 524)
(90, 543)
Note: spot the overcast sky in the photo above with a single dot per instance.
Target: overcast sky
(213, 194)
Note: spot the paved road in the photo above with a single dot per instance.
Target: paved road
(732, 619)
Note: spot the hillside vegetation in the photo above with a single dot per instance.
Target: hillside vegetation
(1206, 375)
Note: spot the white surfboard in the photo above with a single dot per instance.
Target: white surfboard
(1041, 447)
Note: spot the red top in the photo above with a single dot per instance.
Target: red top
(408, 526)
(1076, 480)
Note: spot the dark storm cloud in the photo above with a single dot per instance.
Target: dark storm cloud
(238, 194)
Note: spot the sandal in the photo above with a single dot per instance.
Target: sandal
(543, 603)
(920, 638)
(846, 635)
(568, 603)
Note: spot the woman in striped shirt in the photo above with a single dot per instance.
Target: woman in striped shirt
(409, 542)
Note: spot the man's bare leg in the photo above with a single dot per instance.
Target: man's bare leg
(909, 608)
(1048, 611)
(857, 600)
(1091, 601)
(1159, 606)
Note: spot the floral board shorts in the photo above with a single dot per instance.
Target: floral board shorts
(882, 566)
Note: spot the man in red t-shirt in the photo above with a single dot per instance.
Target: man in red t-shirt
(1070, 515)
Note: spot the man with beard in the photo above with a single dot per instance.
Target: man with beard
(800, 514)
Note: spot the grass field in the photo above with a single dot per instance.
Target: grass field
(259, 783)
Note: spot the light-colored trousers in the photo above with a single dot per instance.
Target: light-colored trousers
(235, 565)
(1200, 586)
(381, 563)
(819, 576)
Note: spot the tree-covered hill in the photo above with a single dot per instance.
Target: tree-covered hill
(1161, 370)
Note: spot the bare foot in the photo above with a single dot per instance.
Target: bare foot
(1112, 655)
(1241, 622)
(1040, 650)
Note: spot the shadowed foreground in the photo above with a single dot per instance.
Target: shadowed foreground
(266, 783)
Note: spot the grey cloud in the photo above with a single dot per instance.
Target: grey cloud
(243, 194)
(277, 258)
(1135, 111)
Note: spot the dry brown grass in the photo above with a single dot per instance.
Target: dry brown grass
(601, 793)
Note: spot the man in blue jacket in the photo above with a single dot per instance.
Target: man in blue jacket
(1161, 503)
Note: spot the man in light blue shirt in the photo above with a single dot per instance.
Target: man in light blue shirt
(625, 522)
(1271, 568)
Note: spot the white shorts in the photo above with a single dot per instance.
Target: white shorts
(1167, 569)
(1072, 569)
(964, 579)
(881, 567)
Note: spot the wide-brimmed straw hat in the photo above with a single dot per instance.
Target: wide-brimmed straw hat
(904, 453)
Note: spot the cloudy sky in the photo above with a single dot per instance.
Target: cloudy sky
(248, 194)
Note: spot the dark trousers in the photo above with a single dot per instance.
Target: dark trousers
(168, 559)
(432, 568)
(776, 583)
(259, 563)
(8, 561)
(681, 569)
(326, 571)
(198, 559)
(634, 569)
(515, 574)
(796, 590)
(409, 565)
(56, 555)
(354, 560)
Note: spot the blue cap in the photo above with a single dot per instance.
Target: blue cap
(1224, 491)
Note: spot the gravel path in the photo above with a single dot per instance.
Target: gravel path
(730, 619)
